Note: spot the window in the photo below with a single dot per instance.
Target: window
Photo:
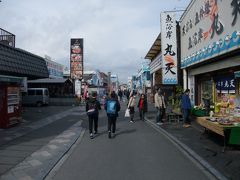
(46, 92)
(31, 92)
(39, 92)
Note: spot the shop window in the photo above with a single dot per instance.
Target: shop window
(225, 95)
(207, 94)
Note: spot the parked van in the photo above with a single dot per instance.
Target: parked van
(36, 96)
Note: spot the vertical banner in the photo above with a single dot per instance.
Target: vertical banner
(169, 48)
(76, 59)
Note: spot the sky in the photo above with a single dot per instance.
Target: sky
(117, 33)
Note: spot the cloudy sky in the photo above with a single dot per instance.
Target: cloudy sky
(117, 33)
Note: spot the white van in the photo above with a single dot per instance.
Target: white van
(36, 96)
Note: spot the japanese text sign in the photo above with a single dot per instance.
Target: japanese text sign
(169, 48)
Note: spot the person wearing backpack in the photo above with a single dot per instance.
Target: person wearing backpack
(112, 108)
(92, 108)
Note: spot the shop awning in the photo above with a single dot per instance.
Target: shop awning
(155, 49)
(10, 79)
(49, 81)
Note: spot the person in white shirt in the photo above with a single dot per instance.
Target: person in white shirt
(131, 105)
(160, 106)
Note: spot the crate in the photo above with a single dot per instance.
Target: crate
(198, 112)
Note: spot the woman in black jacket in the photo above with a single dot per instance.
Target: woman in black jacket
(92, 108)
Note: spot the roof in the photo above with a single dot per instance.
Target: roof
(18, 62)
(49, 81)
(155, 49)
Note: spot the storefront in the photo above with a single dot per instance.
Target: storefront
(210, 39)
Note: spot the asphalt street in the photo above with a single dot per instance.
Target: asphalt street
(138, 151)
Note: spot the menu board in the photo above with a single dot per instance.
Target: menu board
(76, 59)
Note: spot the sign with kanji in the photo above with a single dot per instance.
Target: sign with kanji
(76, 58)
(169, 48)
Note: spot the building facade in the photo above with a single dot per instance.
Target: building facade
(210, 39)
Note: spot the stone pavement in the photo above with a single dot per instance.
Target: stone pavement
(39, 164)
(205, 148)
(31, 149)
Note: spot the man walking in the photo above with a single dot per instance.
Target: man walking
(160, 106)
(186, 107)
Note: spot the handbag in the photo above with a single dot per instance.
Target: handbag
(127, 113)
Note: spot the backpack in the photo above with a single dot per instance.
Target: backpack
(111, 107)
(91, 108)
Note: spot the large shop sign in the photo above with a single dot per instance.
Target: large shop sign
(169, 48)
(209, 28)
(76, 59)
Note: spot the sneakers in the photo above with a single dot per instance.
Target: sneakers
(113, 135)
(131, 121)
(159, 123)
(91, 135)
(186, 125)
(109, 135)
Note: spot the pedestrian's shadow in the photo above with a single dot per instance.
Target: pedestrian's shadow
(101, 133)
(125, 132)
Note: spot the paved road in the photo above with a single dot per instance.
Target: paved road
(137, 152)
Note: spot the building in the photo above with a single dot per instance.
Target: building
(114, 82)
(16, 66)
(55, 70)
(210, 39)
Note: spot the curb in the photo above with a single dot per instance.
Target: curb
(188, 152)
(38, 165)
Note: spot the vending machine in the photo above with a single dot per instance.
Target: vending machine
(10, 105)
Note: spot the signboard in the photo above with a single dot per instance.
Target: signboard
(55, 70)
(209, 29)
(24, 85)
(76, 59)
(225, 85)
(169, 48)
(78, 87)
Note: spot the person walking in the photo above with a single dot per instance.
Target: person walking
(112, 107)
(160, 106)
(92, 108)
(120, 94)
(131, 104)
(186, 107)
(142, 106)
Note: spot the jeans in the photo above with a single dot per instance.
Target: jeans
(112, 124)
(141, 114)
(93, 119)
(186, 119)
(159, 116)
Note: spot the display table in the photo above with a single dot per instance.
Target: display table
(174, 116)
(230, 133)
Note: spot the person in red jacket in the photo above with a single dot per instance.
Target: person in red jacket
(142, 106)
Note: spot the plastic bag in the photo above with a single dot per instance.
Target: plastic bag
(127, 113)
